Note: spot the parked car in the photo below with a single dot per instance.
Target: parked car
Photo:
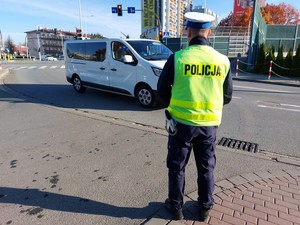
(61, 57)
(48, 58)
(44, 57)
(51, 58)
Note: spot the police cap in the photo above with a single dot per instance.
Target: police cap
(198, 20)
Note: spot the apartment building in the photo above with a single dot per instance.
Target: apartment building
(45, 41)
(163, 15)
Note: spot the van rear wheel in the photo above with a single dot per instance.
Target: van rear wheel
(77, 84)
(145, 96)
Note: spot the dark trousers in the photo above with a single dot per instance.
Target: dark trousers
(203, 142)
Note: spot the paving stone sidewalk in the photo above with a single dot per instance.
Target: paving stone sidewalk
(260, 198)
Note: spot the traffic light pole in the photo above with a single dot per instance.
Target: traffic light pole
(80, 17)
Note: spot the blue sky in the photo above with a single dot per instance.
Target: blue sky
(19, 16)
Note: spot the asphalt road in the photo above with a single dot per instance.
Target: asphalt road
(260, 113)
(99, 158)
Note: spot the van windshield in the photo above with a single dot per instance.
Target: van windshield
(151, 50)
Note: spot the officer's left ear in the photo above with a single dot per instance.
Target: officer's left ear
(208, 33)
(189, 32)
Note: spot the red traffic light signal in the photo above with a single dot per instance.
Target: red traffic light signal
(79, 33)
(160, 35)
(119, 9)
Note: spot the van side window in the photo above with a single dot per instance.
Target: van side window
(119, 50)
(76, 51)
(95, 51)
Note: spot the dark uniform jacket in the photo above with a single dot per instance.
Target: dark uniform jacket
(166, 79)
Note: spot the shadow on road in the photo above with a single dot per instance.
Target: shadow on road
(66, 97)
(40, 200)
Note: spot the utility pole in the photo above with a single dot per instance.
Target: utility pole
(252, 43)
(26, 45)
(2, 45)
(39, 44)
(80, 17)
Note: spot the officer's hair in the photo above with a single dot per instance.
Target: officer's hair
(200, 32)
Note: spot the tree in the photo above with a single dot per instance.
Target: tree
(96, 36)
(271, 55)
(284, 14)
(279, 60)
(245, 18)
(288, 61)
(228, 21)
(261, 58)
(10, 45)
(296, 59)
(296, 62)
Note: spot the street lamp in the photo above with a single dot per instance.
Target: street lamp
(38, 39)
(159, 27)
(85, 25)
(26, 45)
(62, 42)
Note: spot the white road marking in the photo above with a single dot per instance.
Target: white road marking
(288, 105)
(42, 67)
(279, 108)
(20, 68)
(262, 89)
(53, 67)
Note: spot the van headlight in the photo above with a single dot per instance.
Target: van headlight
(156, 71)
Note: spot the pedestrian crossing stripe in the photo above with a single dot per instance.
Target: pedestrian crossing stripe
(34, 67)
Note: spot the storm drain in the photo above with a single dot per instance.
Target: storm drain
(239, 145)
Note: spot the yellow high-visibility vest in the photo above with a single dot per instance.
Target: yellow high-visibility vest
(197, 92)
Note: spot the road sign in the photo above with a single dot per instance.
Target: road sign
(166, 34)
(131, 9)
(114, 9)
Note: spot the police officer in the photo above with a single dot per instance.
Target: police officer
(195, 83)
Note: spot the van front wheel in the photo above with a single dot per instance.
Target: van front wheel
(78, 85)
(145, 96)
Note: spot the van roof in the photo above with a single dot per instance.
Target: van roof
(112, 39)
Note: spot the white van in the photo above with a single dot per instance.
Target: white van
(125, 66)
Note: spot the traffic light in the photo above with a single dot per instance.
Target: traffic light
(79, 34)
(119, 9)
(160, 35)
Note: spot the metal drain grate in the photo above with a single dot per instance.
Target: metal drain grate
(237, 144)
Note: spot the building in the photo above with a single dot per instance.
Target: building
(172, 16)
(20, 50)
(202, 9)
(240, 6)
(44, 41)
(163, 15)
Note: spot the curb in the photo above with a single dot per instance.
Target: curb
(284, 83)
(222, 188)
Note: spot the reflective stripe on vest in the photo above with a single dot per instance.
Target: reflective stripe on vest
(195, 117)
(196, 105)
(197, 92)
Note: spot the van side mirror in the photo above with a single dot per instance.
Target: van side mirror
(128, 59)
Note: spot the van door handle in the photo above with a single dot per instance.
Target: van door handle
(102, 68)
(113, 69)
